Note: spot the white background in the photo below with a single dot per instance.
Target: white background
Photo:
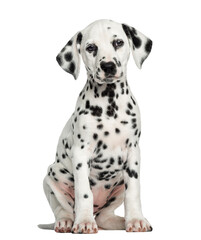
(37, 97)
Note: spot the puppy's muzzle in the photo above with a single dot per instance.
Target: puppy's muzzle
(109, 68)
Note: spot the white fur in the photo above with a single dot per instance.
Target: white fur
(70, 193)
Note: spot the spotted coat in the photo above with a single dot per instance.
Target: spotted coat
(98, 158)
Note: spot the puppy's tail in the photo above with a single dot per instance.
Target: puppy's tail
(46, 226)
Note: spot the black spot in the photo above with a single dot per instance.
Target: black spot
(56, 179)
(130, 106)
(82, 146)
(126, 30)
(83, 97)
(107, 186)
(125, 165)
(120, 161)
(95, 51)
(139, 134)
(101, 175)
(136, 163)
(64, 171)
(131, 173)
(63, 49)
(91, 86)
(133, 120)
(104, 146)
(69, 43)
(124, 122)
(63, 155)
(68, 56)
(108, 166)
(127, 140)
(79, 165)
(97, 167)
(92, 182)
(117, 62)
(71, 179)
(121, 182)
(128, 112)
(79, 136)
(99, 143)
(79, 38)
(82, 112)
(95, 136)
(133, 100)
(72, 67)
(59, 59)
(109, 202)
(148, 46)
(86, 196)
(100, 126)
(110, 111)
(134, 126)
(89, 163)
(117, 130)
(126, 186)
(111, 161)
(136, 132)
(106, 133)
(96, 92)
(96, 111)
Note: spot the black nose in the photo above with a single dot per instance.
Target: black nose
(109, 68)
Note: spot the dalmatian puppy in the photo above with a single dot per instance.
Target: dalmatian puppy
(97, 164)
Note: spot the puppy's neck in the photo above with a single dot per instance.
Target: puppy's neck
(111, 90)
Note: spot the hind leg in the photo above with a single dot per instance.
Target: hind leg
(108, 220)
(64, 216)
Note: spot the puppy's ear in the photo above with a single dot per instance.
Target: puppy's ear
(140, 45)
(69, 58)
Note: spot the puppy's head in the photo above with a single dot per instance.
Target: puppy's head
(104, 46)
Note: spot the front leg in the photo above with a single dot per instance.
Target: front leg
(135, 222)
(84, 220)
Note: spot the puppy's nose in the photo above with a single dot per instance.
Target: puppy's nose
(108, 67)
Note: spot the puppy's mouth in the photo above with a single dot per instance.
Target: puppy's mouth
(109, 79)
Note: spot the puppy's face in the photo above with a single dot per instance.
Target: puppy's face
(104, 46)
(105, 51)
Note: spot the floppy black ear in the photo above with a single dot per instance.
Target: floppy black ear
(69, 58)
(140, 45)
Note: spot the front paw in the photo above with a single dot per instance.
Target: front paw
(138, 225)
(86, 227)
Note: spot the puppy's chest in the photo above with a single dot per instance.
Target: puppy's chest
(115, 123)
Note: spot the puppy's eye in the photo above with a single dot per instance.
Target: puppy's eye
(91, 47)
(118, 43)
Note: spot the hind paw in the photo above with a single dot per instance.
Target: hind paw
(63, 226)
